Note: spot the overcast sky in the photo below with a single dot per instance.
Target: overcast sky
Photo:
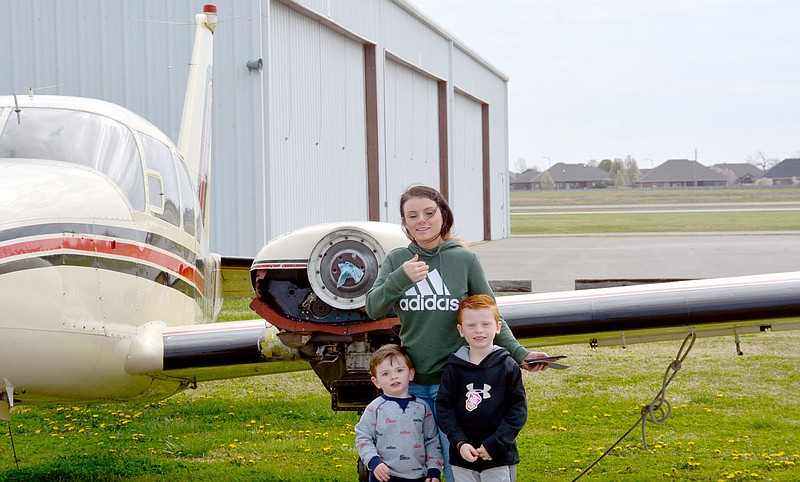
(656, 80)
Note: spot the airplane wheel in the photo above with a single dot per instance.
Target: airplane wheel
(363, 472)
(343, 266)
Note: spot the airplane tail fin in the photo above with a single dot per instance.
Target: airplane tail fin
(194, 140)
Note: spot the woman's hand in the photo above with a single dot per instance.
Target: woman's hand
(415, 270)
(536, 367)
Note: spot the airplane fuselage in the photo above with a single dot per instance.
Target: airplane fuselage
(90, 256)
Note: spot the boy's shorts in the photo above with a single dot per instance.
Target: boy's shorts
(504, 473)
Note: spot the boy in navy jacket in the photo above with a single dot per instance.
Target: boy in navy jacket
(481, 403)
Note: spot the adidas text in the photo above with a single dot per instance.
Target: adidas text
(428, 303)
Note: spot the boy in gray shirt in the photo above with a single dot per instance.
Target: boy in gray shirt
(397, 438)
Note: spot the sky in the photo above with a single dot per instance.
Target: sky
(712, 80)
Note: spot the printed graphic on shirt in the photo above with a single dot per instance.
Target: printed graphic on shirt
(476, 396)
(429, 294)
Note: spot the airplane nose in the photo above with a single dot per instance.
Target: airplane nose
(38, 191)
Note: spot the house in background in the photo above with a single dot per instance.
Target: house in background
(681, 173)
(524, 180)
(575, 176)
(784, 173)
(739, 173)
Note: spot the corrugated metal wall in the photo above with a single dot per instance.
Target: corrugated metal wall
(411, 143)
(289, 141)
(473, 78)
(466, 195)
(318, 142)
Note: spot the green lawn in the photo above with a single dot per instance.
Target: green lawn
(733, 418)
(652, 196)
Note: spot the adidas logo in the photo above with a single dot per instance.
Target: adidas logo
(429, 294)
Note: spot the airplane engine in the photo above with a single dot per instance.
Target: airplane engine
(312, 284)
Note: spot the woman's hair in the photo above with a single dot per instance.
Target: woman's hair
(479, 302)
(434, 195)
(390, 351)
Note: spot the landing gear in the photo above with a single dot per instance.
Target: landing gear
(363, 472)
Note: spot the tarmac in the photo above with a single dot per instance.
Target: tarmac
(553, 263)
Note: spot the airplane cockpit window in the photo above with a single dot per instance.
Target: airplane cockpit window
(165, 200)
(83, 138)
(191, 205)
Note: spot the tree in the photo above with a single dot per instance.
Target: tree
(547, 181)
(624, 172)
(521, 165)
(605, 165)
(760, 159)
(632, 173)
(730, 176)
(617, 171)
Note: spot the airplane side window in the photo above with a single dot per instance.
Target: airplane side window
(188, 199)
(83, 138)
(158, 157)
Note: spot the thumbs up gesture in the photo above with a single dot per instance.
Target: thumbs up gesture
(415, 269)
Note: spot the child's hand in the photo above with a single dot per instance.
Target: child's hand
(468, 452)
(381, 472)
(415, 270)
(482, 453)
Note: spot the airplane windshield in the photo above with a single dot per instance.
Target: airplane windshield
(78, 137)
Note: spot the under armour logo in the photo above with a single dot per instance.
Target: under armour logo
(476, 396)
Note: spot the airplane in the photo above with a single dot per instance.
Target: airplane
(109, 291)
(107, 284)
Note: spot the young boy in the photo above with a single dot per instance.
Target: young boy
(397, 438)
(481, 402)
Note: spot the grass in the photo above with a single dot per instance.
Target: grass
(654, 222)
(652, 196)
(585, 221)
(733, 418)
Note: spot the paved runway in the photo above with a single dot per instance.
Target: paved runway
(554, 263)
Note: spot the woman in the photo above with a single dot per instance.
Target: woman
(424, 283)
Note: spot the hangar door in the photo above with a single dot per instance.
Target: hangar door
(466, 162)
(317, 155)
(411, 149)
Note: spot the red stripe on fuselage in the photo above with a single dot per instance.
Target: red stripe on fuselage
(114, 247)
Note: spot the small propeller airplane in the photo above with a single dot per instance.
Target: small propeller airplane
(109, 292)
(107, 285)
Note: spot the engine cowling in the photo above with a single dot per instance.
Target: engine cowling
(312, 284)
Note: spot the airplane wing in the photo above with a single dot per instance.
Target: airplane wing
(297, 280)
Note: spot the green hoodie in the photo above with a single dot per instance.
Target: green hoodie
(428, 311)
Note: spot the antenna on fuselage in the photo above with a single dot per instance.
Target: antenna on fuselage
(16, 107)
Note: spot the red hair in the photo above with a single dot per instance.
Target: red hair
(479, 302)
